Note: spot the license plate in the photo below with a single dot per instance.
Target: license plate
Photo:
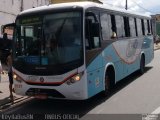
(41, 96)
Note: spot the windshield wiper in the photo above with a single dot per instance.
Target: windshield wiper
(59, 31)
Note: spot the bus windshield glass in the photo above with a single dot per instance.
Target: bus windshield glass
(50, 39)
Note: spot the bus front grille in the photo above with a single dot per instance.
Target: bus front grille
(48, 92)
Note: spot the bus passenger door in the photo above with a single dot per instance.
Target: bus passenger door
(93, 54)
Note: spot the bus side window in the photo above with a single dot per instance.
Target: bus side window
(146, 27)
(126, 26)
(149, 27)
(135, 23)
(113, 26)
(87, 34)
(120, 27)
(132, 27)
(139, 27)
(105, 25)
(143, 26)
(92, 33)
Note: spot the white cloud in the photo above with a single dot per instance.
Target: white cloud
(134, 8)
(143, 6)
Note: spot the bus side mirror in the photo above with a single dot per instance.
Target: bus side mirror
(95, 28)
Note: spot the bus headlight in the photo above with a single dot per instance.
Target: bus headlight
(17, 78)
(74, 78)
(14, 76)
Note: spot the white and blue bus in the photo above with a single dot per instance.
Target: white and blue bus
(77, 50)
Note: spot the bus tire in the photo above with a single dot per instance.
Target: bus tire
(142, 65)
(109, 81)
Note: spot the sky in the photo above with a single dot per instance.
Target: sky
(150, 7)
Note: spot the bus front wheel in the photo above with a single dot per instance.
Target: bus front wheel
(107, 85)
(109, 81)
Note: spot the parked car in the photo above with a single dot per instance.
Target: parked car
(0, 70)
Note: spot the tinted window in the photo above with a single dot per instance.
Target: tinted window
(105, 24)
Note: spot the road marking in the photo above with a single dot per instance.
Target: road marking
(9, 106)
(156, 111)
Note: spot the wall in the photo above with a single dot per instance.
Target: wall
(34, 3)
(9, 9)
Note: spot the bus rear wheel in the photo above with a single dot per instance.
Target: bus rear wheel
(142, 65)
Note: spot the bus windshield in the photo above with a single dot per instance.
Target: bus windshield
(50, 39)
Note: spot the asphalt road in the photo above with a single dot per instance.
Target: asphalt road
(133, 95)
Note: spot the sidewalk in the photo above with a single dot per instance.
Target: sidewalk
(5, 100)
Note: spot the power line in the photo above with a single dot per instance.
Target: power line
(126, 6)
(142, 7)
(8, 13)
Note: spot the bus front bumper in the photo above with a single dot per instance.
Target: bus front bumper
(76, 91)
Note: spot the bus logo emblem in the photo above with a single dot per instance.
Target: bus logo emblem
(41, 79)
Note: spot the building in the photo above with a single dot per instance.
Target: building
(156, 24)
(157, 17)
(9, 9)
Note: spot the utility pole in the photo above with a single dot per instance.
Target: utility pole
(21, 8)
(126, 5)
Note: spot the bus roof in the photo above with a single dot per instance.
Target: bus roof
(85, 5)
